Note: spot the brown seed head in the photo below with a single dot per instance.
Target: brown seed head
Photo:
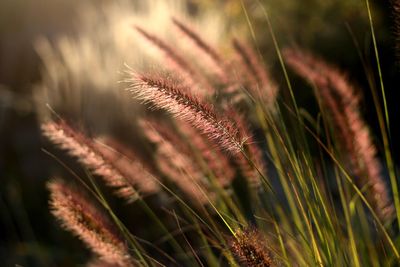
(118, 172)
(162, 93)
(80, 216)
(249, 247)
(338, 95)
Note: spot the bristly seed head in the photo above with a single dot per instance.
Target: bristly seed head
(122, 174)
(162, 93)
(84, 219)
(249, 247)
(338, 95)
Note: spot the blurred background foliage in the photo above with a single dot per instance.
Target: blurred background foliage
(29, 236)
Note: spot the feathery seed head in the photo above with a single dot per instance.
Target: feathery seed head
(162, 93)
(338, 95)
(175, 160)
(210, 57)
(177, 63)
(118, 172)
(216, 159)
(84, 219)
(249, 246)
(261, 85)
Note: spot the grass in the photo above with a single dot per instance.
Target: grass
(240, 174)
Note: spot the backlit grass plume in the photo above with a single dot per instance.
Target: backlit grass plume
(84, 219)
(257, 79)
(176, 161)
(162, 93)
(337, 94)
(178, 63)
(250, 248)
(227, 167)
(118, 171)
(217, 161)
(212, 59)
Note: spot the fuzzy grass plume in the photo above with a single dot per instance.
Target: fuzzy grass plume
(85, 220)
(216, 160)
(338, 95)
(176, 161)
(178, 64)
(212, 59)
(118, 171)
(163, 93)
(210, 150)
(250, 248)
(259, 84)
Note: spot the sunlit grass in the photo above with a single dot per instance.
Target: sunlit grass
(319, 202)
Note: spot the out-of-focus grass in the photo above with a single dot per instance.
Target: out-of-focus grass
(24, 221)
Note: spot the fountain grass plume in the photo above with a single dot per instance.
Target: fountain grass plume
(102, 161)
(80, 216)
(338, 94)
(162, 93)
(249, 246)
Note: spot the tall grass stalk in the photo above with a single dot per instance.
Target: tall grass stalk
(385, 128)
